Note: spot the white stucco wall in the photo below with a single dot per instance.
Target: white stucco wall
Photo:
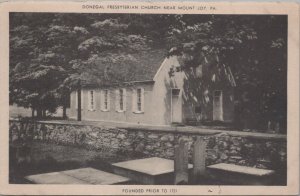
(157, 100)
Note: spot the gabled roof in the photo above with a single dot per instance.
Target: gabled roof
(144, 68)
(147, 64)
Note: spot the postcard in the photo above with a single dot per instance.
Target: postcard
(149, 98)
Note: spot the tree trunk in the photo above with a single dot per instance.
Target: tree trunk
(39, 113)
(43, 113)
(32, 112)
(64, 112)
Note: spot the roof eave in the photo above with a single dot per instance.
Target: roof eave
(121, 84)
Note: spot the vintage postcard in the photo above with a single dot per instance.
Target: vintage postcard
(149, 98)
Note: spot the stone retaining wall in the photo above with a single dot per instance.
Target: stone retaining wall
(262, 153)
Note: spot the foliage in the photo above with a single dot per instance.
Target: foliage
(253, 47)
(50, 56)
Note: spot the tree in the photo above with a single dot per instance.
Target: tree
(28, 80)
(51, 56)
(253, 47)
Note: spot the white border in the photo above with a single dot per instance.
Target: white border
(291, 9)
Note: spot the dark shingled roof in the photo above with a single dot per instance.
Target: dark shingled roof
(143, 67)
(146, 66)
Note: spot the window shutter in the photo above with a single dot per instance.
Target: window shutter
(108, 100)
(134, 96)
(142, 99)
(101, 100)
(89, 100)
(76, 100)
(124, 99)
(95, 100)
(117, 100)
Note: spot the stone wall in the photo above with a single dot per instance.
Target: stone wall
(223, 147)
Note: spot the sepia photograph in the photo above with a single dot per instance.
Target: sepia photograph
(111, 89)
(148, 99)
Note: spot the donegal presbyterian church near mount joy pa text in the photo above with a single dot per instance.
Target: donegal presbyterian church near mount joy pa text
(160, 93)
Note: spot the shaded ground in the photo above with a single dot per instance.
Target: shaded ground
(46, 157)
(15, 112)
(49, 157)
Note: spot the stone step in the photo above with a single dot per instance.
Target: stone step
(78, 176)
(241, 175)
(152, 170)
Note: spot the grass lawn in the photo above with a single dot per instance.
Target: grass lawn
(49, 157)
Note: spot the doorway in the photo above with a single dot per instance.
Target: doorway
(218, 105)
(176, 106)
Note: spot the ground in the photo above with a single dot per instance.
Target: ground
(49, 157)
(15, 112)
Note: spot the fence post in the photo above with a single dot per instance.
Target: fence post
(181, 163)
(199, 156)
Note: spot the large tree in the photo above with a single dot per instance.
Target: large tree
(254, 47)
(49, 57)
